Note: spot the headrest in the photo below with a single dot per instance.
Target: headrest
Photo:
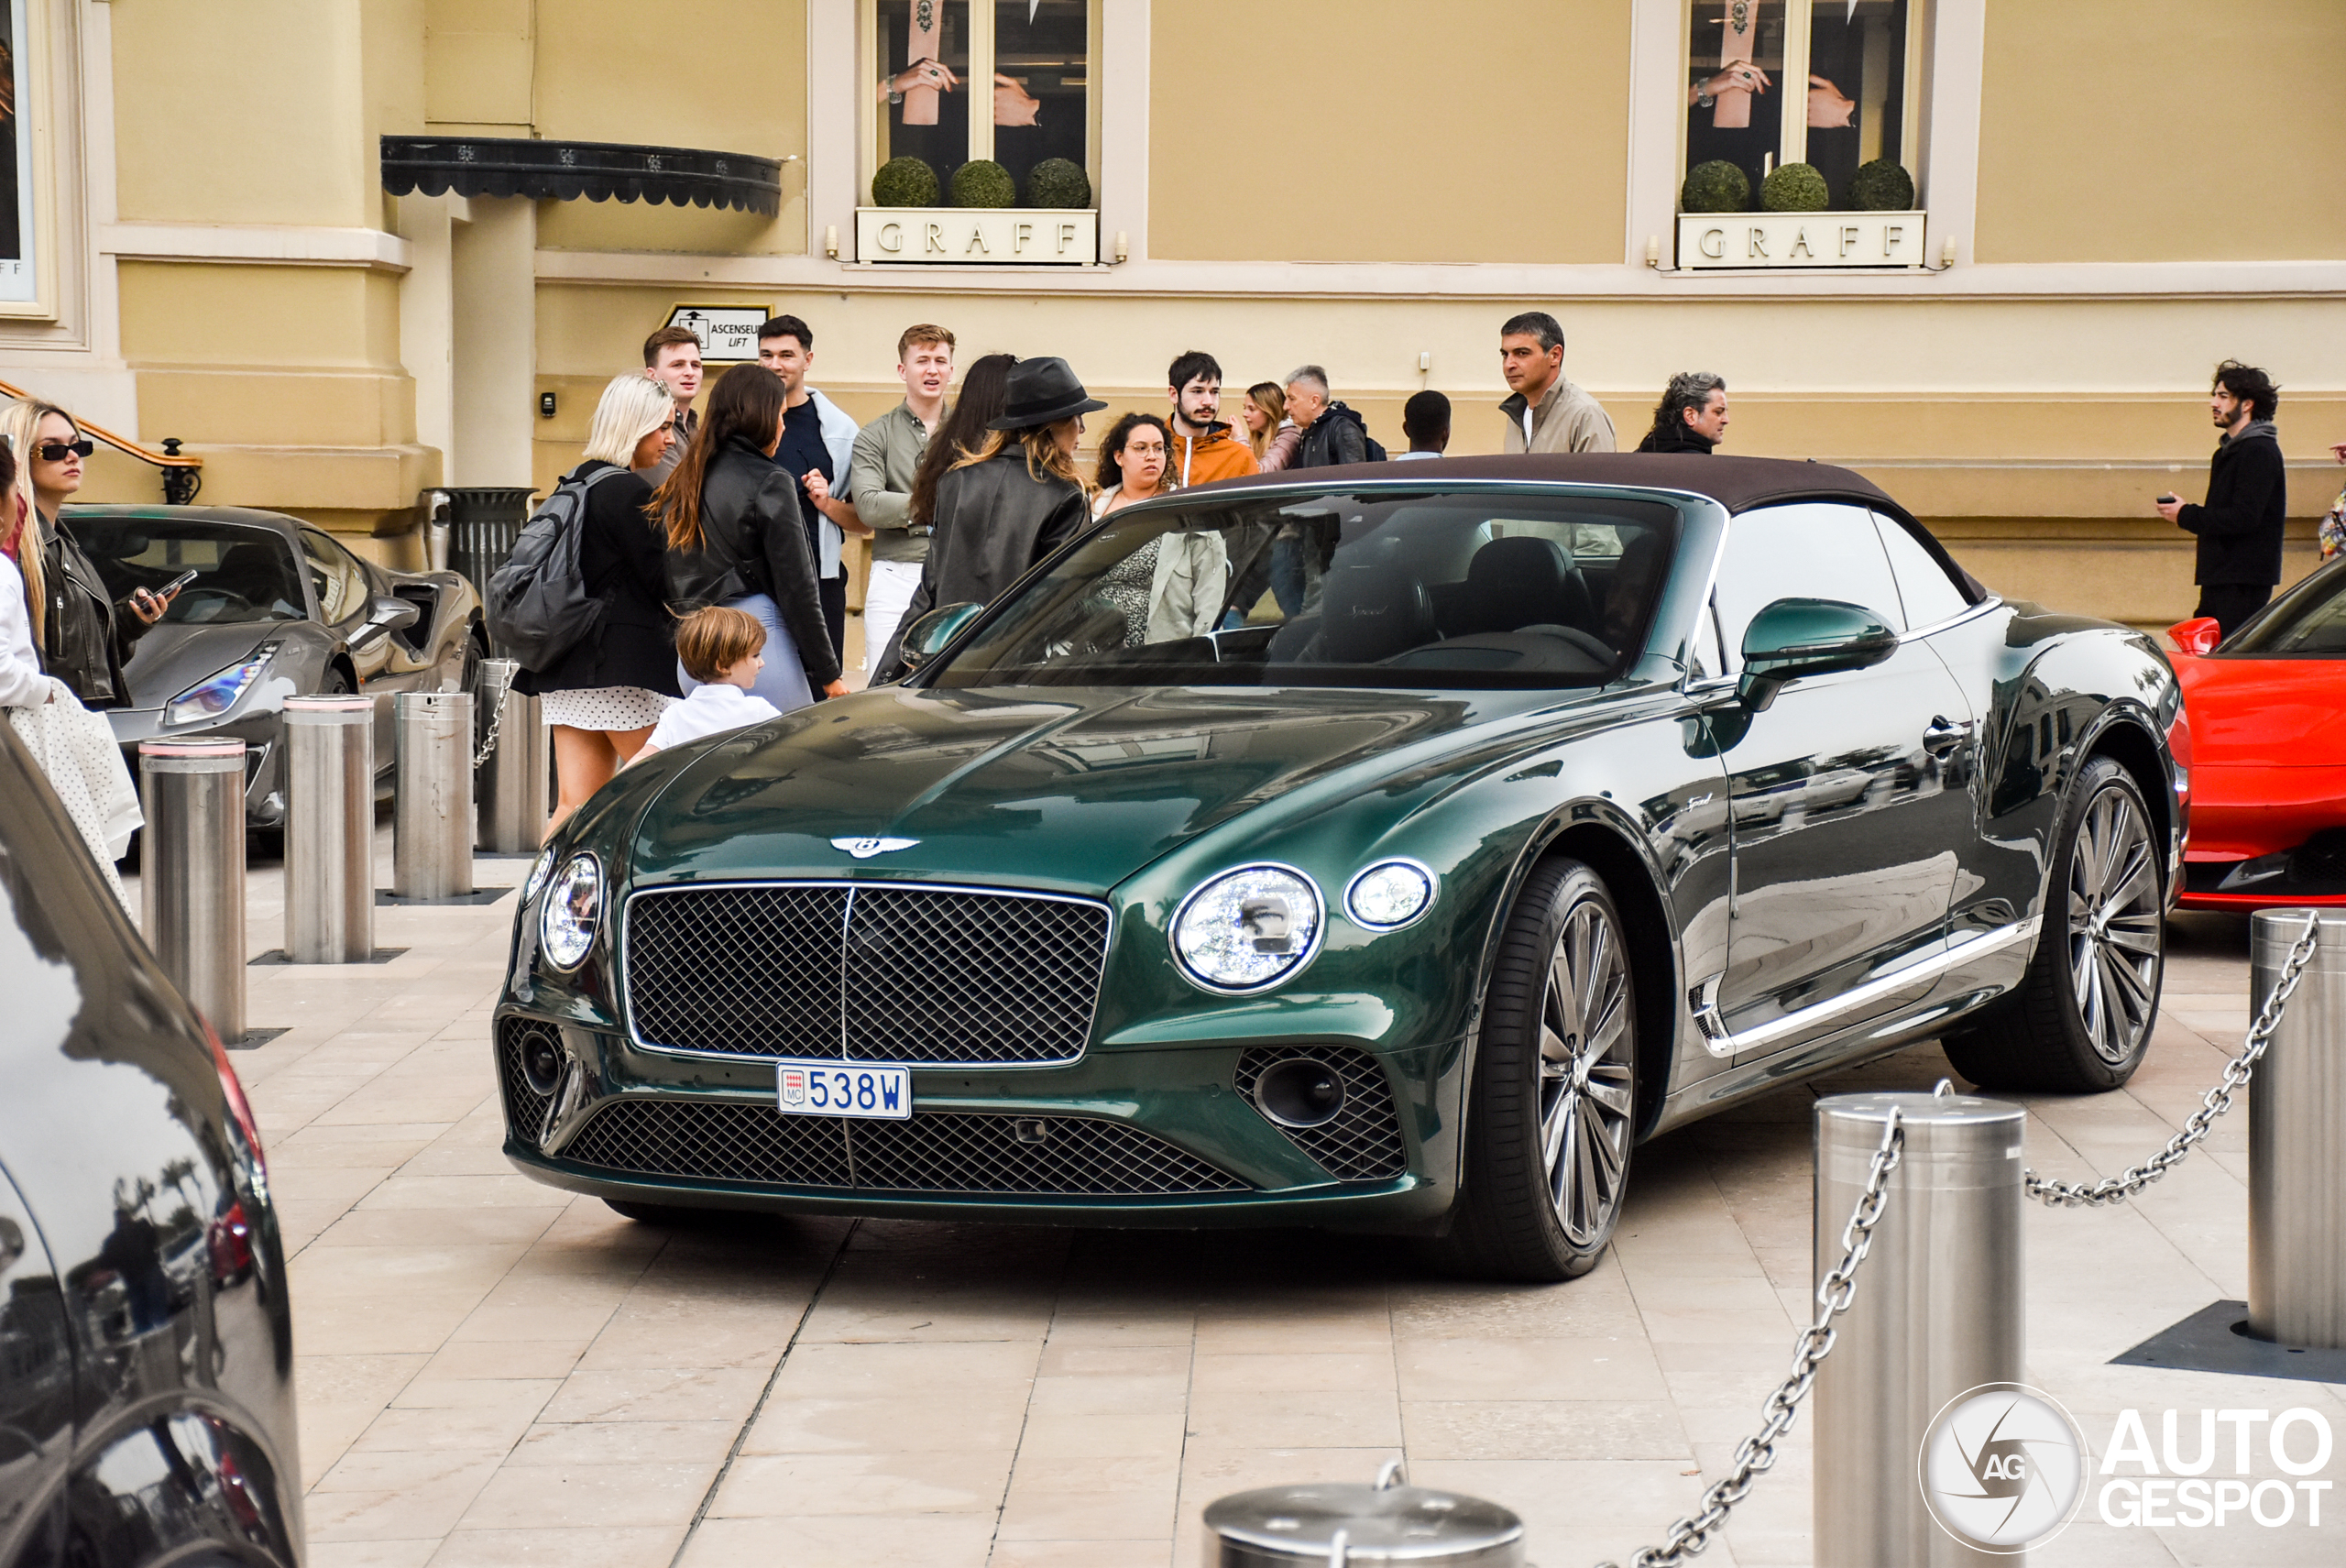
(1524, 564)
(1370, 612)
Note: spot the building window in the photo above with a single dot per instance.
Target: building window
(1825, 83)
(20, 282)
(1007, 82)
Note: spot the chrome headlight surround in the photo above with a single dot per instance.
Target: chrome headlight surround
(572, 912)
(539, 870)
(1218, 933)
(1378, 898)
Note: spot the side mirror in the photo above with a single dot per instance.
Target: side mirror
(2197, 637)
(1793, 638)
(926, 638)
(384, 616)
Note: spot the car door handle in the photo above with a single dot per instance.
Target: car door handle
(1941, 737)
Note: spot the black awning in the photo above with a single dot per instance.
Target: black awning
(565, 171)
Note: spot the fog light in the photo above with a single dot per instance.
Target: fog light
(1299, 1093)
(540, 1064)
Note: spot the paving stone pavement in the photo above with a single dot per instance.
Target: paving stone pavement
(494, 1374)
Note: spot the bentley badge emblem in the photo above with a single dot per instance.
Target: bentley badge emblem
(864, 849)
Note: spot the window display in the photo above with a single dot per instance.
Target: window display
(1007, 82)
(1748, 102)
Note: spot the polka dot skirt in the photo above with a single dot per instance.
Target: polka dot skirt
(604, 707)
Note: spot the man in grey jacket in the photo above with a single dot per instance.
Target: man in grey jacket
(1547, 413)
(879, 481)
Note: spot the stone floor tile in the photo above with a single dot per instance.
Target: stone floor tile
(1108, 1434)
(421, 1506)
(501, 1360)
(624, 1442)
(1081, 1554)
(563, 1547)
(869, 1371)
(1350, 1371)
(981, 1416)
(662, 1394)
(1543, 1429)
(848, 1540)
(1320, 1419)
(932, 1481)
(548, 1497)
(496, 1427)
(1099, 1499)
(370, 1554)
(1622, 1368)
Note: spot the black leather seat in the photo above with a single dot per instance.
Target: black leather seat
(1519, 582)
(1371, 611)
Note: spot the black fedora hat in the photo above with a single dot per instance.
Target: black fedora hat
(1043, 391)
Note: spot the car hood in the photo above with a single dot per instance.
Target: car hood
(172, 657)
(1073, 791)
(2264, 712)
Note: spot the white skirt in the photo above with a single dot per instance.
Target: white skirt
(76, 751)
(604, 707)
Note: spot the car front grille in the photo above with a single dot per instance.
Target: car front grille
(875, 972)
(942, 1152)
(525, 1108)
(1362, 1141)
(2320, 861)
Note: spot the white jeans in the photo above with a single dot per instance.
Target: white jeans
(885, 599)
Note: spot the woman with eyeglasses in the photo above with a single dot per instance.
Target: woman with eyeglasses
(89, 635)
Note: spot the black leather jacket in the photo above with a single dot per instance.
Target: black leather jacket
(87, 638)
(755, 543)
(994, 519)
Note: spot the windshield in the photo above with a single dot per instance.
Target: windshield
(2307, 623)
(1370, 588)
(241, 574)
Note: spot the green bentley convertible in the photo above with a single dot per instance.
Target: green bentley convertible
(1390, 847)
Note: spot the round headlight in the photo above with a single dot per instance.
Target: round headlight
(538, 874)
(1247, 929)
(574, 907)
(1390, 895)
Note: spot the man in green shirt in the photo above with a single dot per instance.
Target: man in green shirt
(880, 480)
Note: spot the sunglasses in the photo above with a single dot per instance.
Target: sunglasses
(55, 451)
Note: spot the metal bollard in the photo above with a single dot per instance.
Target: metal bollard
(431, 821)
(1345, 1522)
(192, 885)
(2296, 1141)
(513, 783)
(329, 829)
(1936, 1313)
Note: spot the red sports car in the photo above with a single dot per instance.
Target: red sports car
(2267, 707)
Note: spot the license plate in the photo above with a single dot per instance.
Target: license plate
(844, 1088)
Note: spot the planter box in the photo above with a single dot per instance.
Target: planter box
(1748, 241)
(963, 237)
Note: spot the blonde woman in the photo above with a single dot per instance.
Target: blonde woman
(1015, 500)
(1272, 434)
(86, 634)
(605, 694)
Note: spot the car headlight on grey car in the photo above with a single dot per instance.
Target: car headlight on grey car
(1248, 929)
(213, 695)
(572, 911)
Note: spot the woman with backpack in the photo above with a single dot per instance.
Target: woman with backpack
(736, 538)
(606, 691)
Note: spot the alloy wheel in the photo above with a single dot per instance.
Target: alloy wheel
(2114, 926)
(1587, 1073)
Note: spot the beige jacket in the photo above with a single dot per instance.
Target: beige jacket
(1567, 420)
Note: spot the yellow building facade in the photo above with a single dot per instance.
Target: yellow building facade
(2110, 196)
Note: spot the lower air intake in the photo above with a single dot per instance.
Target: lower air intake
(1362, 1141)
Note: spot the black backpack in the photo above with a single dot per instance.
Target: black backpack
(1376, 447)
(538, 605)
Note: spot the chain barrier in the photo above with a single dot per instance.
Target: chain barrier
(1688, 1536)
(2212, 1105)
(496, 721)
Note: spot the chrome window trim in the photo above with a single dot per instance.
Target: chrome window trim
(626, 981)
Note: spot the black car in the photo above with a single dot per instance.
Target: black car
(146, 1340)
(272, 608)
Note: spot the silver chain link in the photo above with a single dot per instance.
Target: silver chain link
(2212, 1105)
(1688, 1536)
(496, 721)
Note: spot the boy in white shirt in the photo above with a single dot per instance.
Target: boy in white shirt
(720, 648)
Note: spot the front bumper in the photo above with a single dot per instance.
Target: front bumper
(259, 730)
(1125, 1136)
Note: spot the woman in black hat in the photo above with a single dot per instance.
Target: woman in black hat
(1010, 503)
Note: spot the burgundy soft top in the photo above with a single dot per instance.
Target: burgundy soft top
(1736, 483)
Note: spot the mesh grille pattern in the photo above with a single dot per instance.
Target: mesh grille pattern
(525, 1108)
(2320, 859)
(877, 972)
(944, 1152)
(1362, 1141)
(753, 970)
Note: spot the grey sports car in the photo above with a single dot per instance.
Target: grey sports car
(272, 608)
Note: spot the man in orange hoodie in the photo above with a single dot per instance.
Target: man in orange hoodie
(1204, 449)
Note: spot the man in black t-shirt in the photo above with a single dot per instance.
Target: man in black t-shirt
(818, 438)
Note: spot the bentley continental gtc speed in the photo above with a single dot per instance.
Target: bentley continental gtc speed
(1384, 848)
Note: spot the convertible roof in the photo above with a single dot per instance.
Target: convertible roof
(1736, 483)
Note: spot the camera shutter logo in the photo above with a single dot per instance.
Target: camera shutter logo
(2002, 1467)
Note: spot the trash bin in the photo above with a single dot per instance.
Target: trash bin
(483, 522)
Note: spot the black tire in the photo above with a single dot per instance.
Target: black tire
(1550, 1119)
(2104, 929)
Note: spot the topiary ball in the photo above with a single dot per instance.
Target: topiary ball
(1882, 186)
(1795, 187)
(1717, 186)
(1058, 183)
(905, 183)
(982, 182)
